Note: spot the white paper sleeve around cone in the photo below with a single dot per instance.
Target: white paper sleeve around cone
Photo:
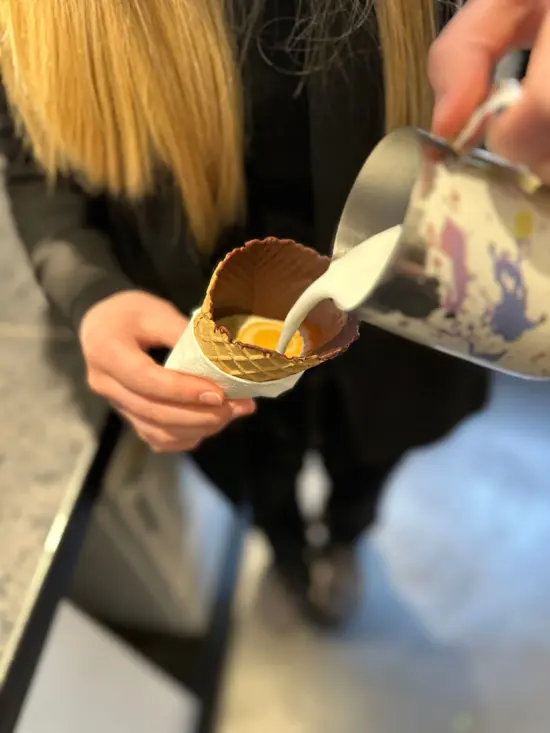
(187, 357)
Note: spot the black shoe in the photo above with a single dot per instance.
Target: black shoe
(334, 588)
(325, 587)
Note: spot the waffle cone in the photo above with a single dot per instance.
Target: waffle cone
(265, 278)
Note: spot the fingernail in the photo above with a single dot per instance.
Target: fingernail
(211, 398)
(242, 410)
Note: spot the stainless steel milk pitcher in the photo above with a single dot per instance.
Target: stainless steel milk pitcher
(470, 273)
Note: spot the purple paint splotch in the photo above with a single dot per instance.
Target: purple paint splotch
(509, 316)
(453, 243)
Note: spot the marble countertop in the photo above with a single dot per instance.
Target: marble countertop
(48, 435)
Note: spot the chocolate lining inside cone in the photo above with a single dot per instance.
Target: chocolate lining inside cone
(265, 278)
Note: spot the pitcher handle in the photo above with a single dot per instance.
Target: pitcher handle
(504, 95)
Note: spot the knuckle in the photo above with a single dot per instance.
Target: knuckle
(189, 443)
(173, 381)
(140, 432)
(96, 382)
(172, 446)
(147, 434)
(193, 445)
(141, 435)
(94, 348)
(160, 436)
(161, 447)
(127, 418)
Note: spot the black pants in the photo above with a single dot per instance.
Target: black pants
(259, 459)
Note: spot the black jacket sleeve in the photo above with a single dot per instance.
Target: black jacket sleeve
(71, 258)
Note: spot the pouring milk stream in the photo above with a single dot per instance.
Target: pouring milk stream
(348, 281)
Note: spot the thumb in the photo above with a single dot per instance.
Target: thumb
(463, 58)
(161, 324)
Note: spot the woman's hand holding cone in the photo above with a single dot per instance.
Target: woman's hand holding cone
(170, 411)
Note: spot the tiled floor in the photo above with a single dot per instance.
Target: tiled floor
(454, 633)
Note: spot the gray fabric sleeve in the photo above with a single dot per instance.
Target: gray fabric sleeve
(72, 261)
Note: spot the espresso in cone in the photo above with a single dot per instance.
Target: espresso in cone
(265, 278)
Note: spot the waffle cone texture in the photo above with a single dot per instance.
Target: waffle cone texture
(265, 278)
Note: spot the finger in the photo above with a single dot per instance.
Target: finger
(165, 414)
(163, 440)
(139, 373)
(522, 133)
(175, 448)
(174, 431)
(242, 408)
(463, 58)
(162, 325)
(182, 446)
(198, 419)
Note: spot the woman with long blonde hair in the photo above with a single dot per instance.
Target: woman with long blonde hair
(146, 138)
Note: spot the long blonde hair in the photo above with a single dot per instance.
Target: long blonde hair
(118, 90)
